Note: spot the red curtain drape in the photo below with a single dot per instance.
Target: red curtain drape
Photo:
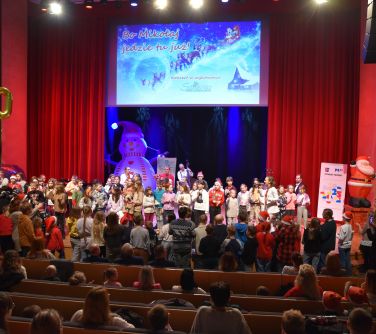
(313, 94)
(67, 77)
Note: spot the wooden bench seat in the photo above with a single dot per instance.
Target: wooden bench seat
(240, 282)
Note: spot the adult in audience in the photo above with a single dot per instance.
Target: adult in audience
(297, 261)
(312, 243)
(146, 280)
(228, 262)
(94, 255)
(200, 232)
(160, 260)
(220, 228)
(306, 285)
(231, 244)
(127, 258)
(15, 214)
(12, 271)
(25, 228)
(97, 312)
(250, 249)
(158, 319)
(263, 291)
(333, 265)
(6, 307)
(84, 228)
(187, 283)
(30, 311)
(293, 322)
(328, 236)
(6, 227)
(51, 274)
(209, 248)
(219, 318)
(370, 286)
(77, 278)
(114, 236)
(38, 251)
(47, 321)
(360, 321)
(182, 232)
(140, 239)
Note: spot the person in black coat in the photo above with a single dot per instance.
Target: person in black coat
(250, 249)
(328, 236)
(209, 248)
(127, 258)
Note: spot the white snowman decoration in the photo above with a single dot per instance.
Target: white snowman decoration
(132, 148)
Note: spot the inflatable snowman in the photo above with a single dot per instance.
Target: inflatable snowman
(360, 182)
(132, 148)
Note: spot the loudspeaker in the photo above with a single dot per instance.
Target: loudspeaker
(369, 45)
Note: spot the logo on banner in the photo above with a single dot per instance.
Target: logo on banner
(332, 195)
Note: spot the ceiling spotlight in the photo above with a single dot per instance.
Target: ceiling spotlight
(44, 5)
(196, 4)
(55, 8)
(320, 2)
(89, 4)
(160, 4)
(224, 1)
(134, 3)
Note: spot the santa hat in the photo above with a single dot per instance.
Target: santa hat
(356, 295)
(13, 177)
(287, 219)
(263, 216)
(332, 301)
(49, 222)
(347, 215)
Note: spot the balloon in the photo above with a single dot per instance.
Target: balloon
(8, 102)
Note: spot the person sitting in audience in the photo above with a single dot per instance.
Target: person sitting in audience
(209, 248)
(51, 274)
(158, 318)
(263, 291)
(97, 312)
(370, 286)
(77, 278)
(228, 263)
(250, 249)
(160, 258)
(293, 322)
(187, 283)
(332, 303)
(47, 321)
(6, 307)
(333, 265)
(355, 295)
(297, 261)
(146, 280)
(306, 285)
(11, 271)
(360, 321)
(111, 277)
(219, 318)
(220, 229)
(127, 258)
(38, 251)
(94, 255)
(30, 311)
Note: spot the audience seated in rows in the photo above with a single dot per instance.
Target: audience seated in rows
(333, 265)
(47, 321)
(187, 283)
(51, 274)
(146, 280)
(38, 251)
(77, 278)
(111, 277)
(11, 271)
(160, 260)
(127, 257)
(6, 307)
(94, 255)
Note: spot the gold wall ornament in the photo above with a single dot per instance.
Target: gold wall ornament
(8, 103)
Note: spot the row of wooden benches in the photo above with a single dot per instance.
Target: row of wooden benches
(240, 282)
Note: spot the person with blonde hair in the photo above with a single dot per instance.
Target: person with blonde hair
(97, 312)
(146, 280)
(84, 228)
(99, 222)
(306, 284)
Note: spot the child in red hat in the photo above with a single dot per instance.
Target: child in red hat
(54, 238)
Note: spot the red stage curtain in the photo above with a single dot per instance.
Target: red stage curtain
(313, 94)
(67, 77)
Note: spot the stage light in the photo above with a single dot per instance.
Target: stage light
(55, 8)
(196, 4)
(320, 2)
(114, 126)
(89, 4)
(134, 3)
(225, 1)
(44, 5)
(160, 4)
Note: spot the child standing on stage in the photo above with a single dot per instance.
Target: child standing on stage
(168, 201)
(99, 198)
(230, 186)
(54, 239)
(128, 203)
(290, 200)
(149, 205)
(302, 202)
(282, 201)
(97, 229)
(183, 198)
(344, 237)
(216, 199)
(243, 199)
(254, 200)
(232, 208)
(158, 194)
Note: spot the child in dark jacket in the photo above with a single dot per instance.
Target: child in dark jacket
(250, 249)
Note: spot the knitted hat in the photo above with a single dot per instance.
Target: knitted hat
(263, 216)
(49, 222)
(347, 215)
(356, 295)
(332, 301)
